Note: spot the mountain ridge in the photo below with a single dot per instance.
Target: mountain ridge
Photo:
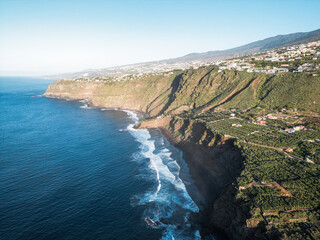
(203, 58)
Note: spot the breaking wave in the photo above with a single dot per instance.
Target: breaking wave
(168, 204)
(86, 104)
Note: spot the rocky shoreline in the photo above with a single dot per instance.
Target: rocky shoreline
(214, 164)
(207, 158)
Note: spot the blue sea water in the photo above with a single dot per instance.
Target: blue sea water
(71, 172)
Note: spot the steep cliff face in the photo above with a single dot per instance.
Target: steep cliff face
(198, 90)
(214, 165)
(208, 152)
(155, 95)
(136, 95)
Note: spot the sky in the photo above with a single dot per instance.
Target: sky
(56, 36)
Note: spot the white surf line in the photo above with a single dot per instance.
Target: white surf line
(177, 181)
(162, 163)
(157, 162)
(149, 154)
(154, 165)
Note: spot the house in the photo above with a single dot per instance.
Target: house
(289, 130)
(308, 158)
(262, 122)
(298, 128)
(270, 116)
(288, 149)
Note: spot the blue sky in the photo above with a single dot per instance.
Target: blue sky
(44, 37)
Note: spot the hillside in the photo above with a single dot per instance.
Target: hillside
(199, 90)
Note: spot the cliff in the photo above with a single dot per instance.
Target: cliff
(201, 90)
(219, 164)
(214, 164)
(149, 95)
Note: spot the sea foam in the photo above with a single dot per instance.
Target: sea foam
(168, 204)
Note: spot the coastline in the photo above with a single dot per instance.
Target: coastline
(214, 164)
(200, 197)
(199, 200)
(192, 189)
(191, 186)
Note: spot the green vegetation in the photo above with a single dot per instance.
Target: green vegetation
(293, 91)
(282, 190)
(285, 190)
(204, 89)
(266, 135)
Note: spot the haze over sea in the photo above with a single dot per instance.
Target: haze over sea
(68, 171)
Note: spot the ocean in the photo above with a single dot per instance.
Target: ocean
(70, 171)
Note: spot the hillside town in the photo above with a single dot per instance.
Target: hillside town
(301, 58)
(297, 58)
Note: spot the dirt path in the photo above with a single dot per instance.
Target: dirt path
(281, 150)
(255, 85)
(304, 219)
(270, 213)
(265, 146)
(276, 185)
(284, 191)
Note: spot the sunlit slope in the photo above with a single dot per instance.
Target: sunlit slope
(200, 90)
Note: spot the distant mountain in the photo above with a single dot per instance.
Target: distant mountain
(185, 61)
(254, 47)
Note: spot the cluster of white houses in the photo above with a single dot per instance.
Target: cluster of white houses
(310, 51)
